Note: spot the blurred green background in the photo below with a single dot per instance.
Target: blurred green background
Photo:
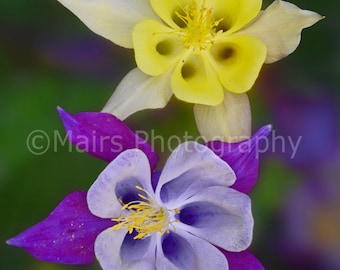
(49, 58)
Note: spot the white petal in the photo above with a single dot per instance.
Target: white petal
(191, 167)
(130, 166)
(164, 263)
(138, 91)
(107, 246)
(184, 251)
(225, 221)
(204, 250)
(112, 19)
(230, 121)
(107, 249)
(279, 28)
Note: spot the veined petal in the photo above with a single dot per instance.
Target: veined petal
(279, 28)
(219, 215)
(181, 250)
(166, 10)
(229, 121)
(112, 19)
(243, 157)
(103, 135)
(157, 47)
(128, 170)
(237, 61)
(67, 235)
(138, 91)
(133, 250)
(195, 81)
(191, 167)
(106, 248)
(243, 260)
(174, 252)
(110, 243)
(203, 250)
(235, 14)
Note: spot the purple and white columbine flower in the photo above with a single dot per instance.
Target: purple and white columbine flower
(178, 225)
(193, 215)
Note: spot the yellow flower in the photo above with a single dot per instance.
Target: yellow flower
(206, 52)
(198, 43)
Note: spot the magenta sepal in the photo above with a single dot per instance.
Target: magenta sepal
(243, 158)
(67, 235)
(103, 135)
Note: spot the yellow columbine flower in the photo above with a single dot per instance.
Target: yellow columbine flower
(198, 43)
(206, 52)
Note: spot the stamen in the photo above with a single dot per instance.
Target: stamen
(200, 26)
(145, 217)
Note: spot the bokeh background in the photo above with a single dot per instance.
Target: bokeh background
(49, 58)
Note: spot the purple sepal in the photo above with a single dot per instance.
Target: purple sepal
(243, 260)
(243, 158)
(103, 135)
(67, 235)
(155, 178)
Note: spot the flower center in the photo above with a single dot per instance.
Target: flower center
(199, 26)
(145, 217)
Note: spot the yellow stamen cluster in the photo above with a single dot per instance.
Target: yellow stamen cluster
(200, 27)
(145, 217)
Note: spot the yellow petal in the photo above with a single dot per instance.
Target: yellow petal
(167, 9)
(157, 48)
(112, 19)
(235, 14)
(138, 91)
(279, 28)
(237, 60)
(195, 81)
(230, 121)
